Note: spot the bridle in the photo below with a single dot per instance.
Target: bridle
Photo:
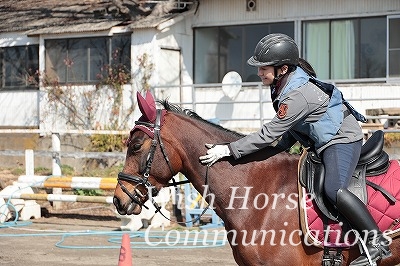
(143, 180)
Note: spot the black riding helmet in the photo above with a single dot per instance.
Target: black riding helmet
(275, 49)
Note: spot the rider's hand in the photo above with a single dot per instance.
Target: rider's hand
(214, 153)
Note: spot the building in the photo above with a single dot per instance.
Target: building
(190, 46)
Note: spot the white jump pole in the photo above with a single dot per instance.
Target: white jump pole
(60, 198)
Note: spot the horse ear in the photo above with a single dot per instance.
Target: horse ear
(147, 106)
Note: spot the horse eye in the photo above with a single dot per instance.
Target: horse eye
(136, 146)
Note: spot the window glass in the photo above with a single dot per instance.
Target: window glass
(18, 65)
(99, 56)
(77, 61)
(13, 68)
(229, 52)
(121, 53)
(206, 55)
(372, 48)
(219, 50)
(56, 56)
(343, 44)
(316, 41)
(120, 49)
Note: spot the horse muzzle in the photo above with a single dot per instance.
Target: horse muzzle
(130, 200)
(126, 207)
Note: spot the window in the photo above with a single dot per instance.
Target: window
(394, 48)
(346, 49)
(219, 50)
(18, 64)
(82, 60)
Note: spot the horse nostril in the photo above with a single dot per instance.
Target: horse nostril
(116, 202)
(118, 206)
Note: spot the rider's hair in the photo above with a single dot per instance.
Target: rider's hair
(306, 66)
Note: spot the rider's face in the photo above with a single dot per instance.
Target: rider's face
(267, 75)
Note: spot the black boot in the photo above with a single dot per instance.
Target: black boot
(355, 211)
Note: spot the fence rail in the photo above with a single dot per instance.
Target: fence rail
(60, 197)
(72, 182)
(62, 132)
(76, 155)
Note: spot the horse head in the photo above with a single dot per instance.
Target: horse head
(138, 180)
(164, 142)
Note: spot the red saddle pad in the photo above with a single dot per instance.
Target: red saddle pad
(386, 215)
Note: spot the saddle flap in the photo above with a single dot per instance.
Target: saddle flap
(311, 177)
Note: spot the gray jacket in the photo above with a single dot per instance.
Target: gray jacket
(302, 105)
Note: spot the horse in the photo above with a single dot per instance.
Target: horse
(255, 196)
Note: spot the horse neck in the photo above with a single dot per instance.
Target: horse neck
(257, 172)
(189, 141)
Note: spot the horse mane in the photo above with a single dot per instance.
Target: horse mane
(190, 113)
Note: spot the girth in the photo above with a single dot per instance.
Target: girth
(373, 161)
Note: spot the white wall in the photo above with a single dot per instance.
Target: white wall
(19, 108)
(16, 39)
(54, 115)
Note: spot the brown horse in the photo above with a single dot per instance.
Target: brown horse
(254, 196)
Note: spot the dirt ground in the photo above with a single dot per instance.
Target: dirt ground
(89, 234)
(85, 240)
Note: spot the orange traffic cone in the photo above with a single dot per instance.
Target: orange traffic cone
(125, 253)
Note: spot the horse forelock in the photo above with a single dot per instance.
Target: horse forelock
(192, 114)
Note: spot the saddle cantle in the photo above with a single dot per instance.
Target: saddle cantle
(373, 156)
(373, 161)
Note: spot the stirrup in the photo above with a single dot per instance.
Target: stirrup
(363, 247)
(332, 258)
(364, 251)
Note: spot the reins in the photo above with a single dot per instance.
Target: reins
(158, 208)
(144, 179)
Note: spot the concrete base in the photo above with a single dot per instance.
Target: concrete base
(26, 209)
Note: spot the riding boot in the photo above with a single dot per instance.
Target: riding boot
(357, 214)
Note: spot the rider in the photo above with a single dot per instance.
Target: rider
(318, 121)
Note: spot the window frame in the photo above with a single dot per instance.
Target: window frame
(299, 33)
(29, 73)
(357, 22)
(87, 63)
(388, 77)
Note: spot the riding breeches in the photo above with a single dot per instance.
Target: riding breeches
(340, 161)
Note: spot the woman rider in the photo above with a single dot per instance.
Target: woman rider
(318, 121)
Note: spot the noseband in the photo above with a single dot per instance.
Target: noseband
(137, 196)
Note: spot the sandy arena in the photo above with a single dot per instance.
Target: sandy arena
(44, 242)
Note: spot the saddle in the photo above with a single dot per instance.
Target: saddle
(319, 219)
(373, 161)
